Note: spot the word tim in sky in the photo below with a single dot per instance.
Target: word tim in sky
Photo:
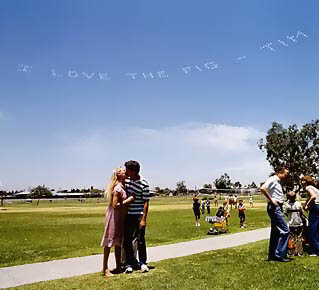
(293, 38)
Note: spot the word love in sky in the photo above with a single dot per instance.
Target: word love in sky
(207, 66)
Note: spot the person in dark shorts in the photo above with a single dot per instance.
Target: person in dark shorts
(196, 210)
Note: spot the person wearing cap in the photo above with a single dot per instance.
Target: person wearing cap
(279, 234)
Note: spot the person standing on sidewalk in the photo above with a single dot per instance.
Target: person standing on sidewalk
(279, 235)
(114, 219)
(135, 223)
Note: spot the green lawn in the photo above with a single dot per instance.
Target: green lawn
(31, 233)
(242, 267)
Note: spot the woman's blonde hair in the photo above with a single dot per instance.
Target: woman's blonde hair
(308, 179)
(114, 181)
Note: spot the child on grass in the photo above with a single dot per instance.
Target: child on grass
(294, 212)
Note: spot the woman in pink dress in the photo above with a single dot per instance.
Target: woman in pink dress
(114, 219)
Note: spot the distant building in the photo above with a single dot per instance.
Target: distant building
(23, 194)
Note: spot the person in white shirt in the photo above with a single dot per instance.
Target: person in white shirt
(279, 235)
(312, 204)
(251, 201)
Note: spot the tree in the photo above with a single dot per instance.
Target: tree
(252, 185)
(295, 148)
(208, 186)
(2, 195)
(40, 191)
(223, 182)
(181, 187)
(159, 190)
(237, 184)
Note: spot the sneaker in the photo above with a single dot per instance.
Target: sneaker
(128, 270)
(313, 255)
(285, 260)
(144, 268)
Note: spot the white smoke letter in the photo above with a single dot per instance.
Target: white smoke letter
(150, 75)
(282, 42)
(88, 76)
(133, 76)
(72, 74)
(211, 65)
(186, 69)
(104, 77)
(162, 74)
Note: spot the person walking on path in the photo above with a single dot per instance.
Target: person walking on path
(279, 235)
(312, 204)
(114, 219)
(135, 223)
(196, 210)
(294, 212)
(208, 206)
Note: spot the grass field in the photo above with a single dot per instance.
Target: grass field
(242, 267)
(31, 233)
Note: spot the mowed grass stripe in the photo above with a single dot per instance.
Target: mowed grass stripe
(243, 267)
(49, 234)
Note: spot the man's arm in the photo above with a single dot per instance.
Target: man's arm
(146, 197)
(145, 212)
(265, 192)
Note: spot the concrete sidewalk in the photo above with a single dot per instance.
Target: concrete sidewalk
(32, 273)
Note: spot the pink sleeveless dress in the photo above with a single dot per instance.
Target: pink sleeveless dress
(114, 221)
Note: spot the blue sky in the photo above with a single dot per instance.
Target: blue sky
(71, 132)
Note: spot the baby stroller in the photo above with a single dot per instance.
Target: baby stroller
(219, 222)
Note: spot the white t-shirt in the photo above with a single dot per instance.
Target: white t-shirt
(274, 188)
(316, 191)
(294, 217)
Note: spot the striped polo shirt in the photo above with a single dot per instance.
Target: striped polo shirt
(141, 191)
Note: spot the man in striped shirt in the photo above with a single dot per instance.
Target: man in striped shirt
(135, 223)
